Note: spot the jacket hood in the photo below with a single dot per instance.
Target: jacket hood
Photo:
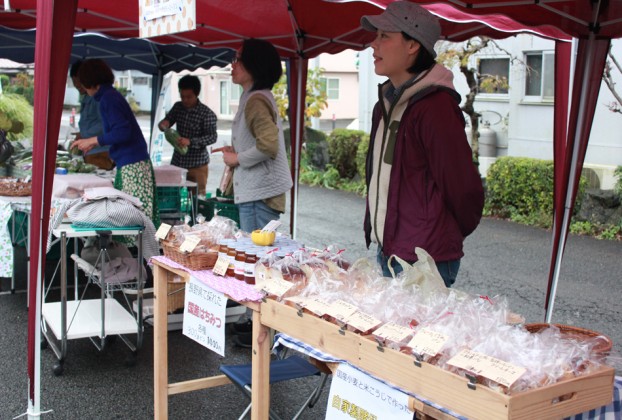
(437, 75)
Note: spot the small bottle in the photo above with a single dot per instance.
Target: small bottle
(231, 254)
(240, 257)
(223, 247)
(249, 265)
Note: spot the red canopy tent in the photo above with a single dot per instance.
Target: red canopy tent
(302, 29)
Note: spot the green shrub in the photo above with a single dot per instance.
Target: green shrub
(618, 186)
(361, 156)
(521, 189)
(342, 147)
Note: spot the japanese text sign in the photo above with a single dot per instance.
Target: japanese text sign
(205, 312)
(356, 395)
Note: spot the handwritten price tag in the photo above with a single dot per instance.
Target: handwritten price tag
(362, 321)
(393, 332)
(190, 243)
(317, 305)
(277, 287)
(489, 367)
(220, 268)
(340, 309)
(163, 231)
(428, 342)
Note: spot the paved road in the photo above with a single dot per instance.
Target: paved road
(502, 259)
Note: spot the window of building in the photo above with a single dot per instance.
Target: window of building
(540, 80)
(330, 86)
(494, 75)
(230, 94)
(143, 81)
(123, 82)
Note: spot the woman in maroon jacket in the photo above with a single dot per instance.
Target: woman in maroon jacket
(423, 189)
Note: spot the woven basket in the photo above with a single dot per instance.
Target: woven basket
(603, 343)
(176, 296)
(193, 260)
(11, 187)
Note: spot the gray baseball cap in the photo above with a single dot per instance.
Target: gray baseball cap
(407, 17)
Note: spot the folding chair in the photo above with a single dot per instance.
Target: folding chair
(293, 367)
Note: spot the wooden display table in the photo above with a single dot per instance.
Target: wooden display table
(422, 379)
(162, 388)
(444, 388)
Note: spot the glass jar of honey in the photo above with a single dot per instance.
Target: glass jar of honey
(239, 263)
(249, 265)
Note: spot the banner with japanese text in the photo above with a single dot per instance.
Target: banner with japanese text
(205, 312)
(356, 395)
(162, 17)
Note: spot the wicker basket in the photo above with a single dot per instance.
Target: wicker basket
(176, 296)
(12, 187)
(193, 260)
(603, 344)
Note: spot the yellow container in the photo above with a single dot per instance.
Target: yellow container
(263, 238)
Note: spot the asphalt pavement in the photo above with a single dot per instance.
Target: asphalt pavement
(502, 259)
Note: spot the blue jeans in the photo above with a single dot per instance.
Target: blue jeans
(256, 215)
(447, 269)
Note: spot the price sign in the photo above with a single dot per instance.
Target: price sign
(163, 231)
(341, 309)
(317, 305)
(428, 342)
(362, 321)
(272, 226)
(393, 332)
(489, 367)
(190, 243)
(222, 263)
(277, 287)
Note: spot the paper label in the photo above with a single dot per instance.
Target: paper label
(163, 231)
(393, 332)
(272, 226)
(489, 367)
(190, 243)
(362, 321)
(317, 306)
(222, 263)
(428, 342)
(340, 309)
(277, 287)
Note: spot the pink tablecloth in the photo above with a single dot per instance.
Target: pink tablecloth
(238, 290)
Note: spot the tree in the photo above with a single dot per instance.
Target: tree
(461, 56)
(611, 66)
(315, 100)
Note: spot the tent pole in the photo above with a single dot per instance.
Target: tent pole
(298, 142)
(568, 202)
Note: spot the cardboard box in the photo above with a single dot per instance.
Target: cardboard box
(435, 384)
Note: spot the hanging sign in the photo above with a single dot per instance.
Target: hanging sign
(162, 17)
(356, 395)
(205, 312)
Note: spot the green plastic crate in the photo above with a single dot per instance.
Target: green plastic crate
(169, 199)
(211, 206)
